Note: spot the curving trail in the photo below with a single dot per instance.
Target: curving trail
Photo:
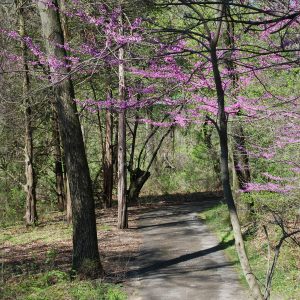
(181, 259)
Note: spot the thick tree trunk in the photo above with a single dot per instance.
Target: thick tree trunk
(30, 186)
(85, 246)
(59, 175)
(122, 201)
(223, 138)
(108, 160)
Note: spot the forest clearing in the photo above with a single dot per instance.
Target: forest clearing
(149, 149)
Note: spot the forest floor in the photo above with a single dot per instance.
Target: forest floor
(180, 257)
(35, 261)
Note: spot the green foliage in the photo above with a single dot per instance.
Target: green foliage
(12, 199)
(54, 277)
(51, 256)
(97, 291)
(187, 167)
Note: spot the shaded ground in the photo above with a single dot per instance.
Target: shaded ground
(180, 258)
(28, 251)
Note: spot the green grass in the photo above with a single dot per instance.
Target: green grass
(104, 227)
(18, 235)
(286, 278)
(52, 232)
(56, 285)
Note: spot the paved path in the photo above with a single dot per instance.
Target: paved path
(181, 259)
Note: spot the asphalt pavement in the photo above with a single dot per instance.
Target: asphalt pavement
(181, 259)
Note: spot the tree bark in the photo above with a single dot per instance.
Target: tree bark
(207, 133)
(63, 19)
(108, 160)
(85, 246)
(59, 175)
(138, 178)
(241, 162)
(223, 138)
(240, 156)
(68, 200)
(122, 201)
(30, 186)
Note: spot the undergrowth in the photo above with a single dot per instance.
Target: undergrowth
(56, 285)
(286, 278)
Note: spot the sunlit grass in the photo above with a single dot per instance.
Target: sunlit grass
(56, 285)
(48, 234)
(55, 230)
(286, 279)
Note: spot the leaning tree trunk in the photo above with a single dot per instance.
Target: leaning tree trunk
(58, 164)
(138, 178)
(223, 138)
(85, 246)
(30, 186)
(122, 202)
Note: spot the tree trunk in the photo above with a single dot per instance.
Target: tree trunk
(59, 176)
(138, 178)
(212, 151)
(151, 143)
(240, 155)
(108, 160)
(68, 199)
(63, 19)
(30, 186)
(241, 161)
(85, 246)
(122, 202)
(223, 138)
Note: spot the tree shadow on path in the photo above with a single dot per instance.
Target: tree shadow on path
(163, 264)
